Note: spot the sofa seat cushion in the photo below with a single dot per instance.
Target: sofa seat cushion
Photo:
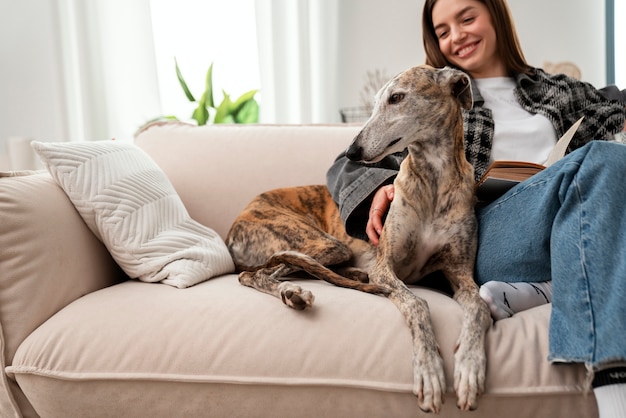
(140, 349)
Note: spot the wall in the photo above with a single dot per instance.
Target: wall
(374, 35)
(571, 30)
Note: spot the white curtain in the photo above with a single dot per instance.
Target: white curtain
(298, 58)
(108, 66)
(110, 78)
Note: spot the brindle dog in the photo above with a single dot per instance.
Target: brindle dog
(430, 226)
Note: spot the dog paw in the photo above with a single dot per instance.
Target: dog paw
(469, 379)
(357, 274)
(295, 297)
(430, 385)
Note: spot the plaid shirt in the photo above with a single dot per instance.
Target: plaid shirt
(561, 99)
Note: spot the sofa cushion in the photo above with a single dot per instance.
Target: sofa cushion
(129, 203)
(222, 349)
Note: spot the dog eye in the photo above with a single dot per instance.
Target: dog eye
(396, 98)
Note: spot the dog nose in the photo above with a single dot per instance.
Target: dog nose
(354, 153)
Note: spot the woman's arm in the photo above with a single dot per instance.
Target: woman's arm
(604, 110)
(614, 93)
(380, 206)
(353, 186)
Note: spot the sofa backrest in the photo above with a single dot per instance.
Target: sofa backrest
(218, 169)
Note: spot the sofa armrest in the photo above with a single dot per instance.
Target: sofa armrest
(48, 258)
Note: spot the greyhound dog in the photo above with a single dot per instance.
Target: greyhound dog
(430, 226)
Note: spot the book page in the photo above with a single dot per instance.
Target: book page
(561, 146)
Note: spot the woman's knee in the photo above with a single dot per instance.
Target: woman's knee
(600, 157)
(607, 150)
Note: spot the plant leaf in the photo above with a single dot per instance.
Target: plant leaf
(162, 118)
(181, 80)
(201, 115)
(157, 119)
(208, 89)
(228, 119)
(224, 111)
(248, 113)
(244, 98)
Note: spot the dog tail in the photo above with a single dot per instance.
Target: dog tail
(316, 269)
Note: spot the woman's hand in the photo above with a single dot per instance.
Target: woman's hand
(380, 205)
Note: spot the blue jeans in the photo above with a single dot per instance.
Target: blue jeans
(568, 224)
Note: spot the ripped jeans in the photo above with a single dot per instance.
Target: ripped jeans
(567, 224)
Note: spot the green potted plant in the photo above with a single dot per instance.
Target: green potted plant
(245, 109)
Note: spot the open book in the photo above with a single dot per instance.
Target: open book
(502, 175)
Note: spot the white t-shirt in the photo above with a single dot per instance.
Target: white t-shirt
(519, 135)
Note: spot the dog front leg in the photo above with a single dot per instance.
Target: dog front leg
(469, 357)
(429, 383)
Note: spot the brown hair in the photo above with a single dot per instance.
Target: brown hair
(508, 44)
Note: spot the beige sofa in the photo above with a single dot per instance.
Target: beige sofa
(80, 339)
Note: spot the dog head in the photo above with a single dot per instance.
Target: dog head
(418, 104)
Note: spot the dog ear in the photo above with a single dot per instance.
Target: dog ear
(459, 83)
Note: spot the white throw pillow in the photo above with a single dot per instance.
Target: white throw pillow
(131, 206)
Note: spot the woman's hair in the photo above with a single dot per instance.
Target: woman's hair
(508, 45)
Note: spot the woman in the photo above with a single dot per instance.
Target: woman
(567, 223)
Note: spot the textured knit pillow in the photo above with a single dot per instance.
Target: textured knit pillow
(131, 206)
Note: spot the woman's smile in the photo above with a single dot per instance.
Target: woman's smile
(466, 50)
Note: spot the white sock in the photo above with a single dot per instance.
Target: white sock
(609, 388)
(505, 299)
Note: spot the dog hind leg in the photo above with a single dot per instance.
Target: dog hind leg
(268, 280)
(353, 273)
(310, 265)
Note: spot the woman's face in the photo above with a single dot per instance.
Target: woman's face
(467, 37)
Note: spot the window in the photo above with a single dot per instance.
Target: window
(620, 44)
(616, 41)
(198, 33)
